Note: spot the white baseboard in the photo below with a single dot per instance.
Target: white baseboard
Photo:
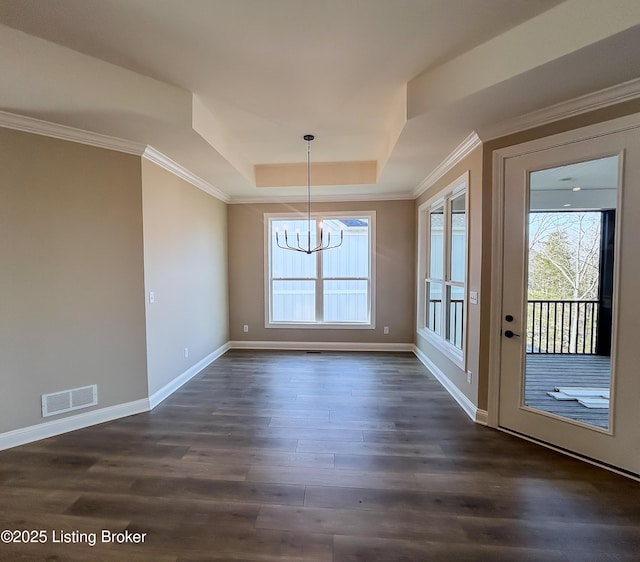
(469, 407)
(169, 388)
(48, 429)
(482, 417)
(321, 346)
(44, 430)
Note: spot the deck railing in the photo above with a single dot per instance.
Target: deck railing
(562, 326)
(454, 323)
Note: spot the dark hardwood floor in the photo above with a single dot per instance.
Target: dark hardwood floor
(316, 457)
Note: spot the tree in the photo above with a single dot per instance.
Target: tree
(564, 256)
(547, 278)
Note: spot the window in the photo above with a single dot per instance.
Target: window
(332, 288)
(442, 269)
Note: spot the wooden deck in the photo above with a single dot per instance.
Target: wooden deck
(545, 372)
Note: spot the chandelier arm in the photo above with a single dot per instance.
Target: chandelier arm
(288, 246)
(328, 245)
(337, 244)
(320, 246)
(320, 249)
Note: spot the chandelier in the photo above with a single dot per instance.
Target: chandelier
(323, 245)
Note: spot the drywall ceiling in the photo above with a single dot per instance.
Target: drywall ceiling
(589, 185)
(223, 86)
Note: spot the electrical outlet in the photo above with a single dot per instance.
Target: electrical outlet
(186, 352)
(152, 297)
(245, 328)
(469, 377)
(385, 330)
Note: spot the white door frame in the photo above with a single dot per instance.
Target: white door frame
(500, 157)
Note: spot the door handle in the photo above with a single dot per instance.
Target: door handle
(509, 334)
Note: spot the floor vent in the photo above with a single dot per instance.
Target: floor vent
(68, 400)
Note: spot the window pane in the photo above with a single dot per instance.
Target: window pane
(455, 318)
(436, 236)
(293, 301)
(345, 301)
(434, 306)
(458, 238)
(352, 258)
(285, 263)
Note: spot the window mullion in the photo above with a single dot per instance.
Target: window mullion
(446, 273)
(319, 278)
(293, 278)
(346, 278)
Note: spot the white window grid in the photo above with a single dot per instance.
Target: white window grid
(319, 279)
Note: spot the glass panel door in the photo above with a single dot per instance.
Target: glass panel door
(570, 247)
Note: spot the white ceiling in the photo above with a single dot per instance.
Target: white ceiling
(590, 185)
(220, 86)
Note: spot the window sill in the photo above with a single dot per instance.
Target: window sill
(449, 351)
(321, 326)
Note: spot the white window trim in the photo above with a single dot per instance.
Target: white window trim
(459, 357)
(371, 215)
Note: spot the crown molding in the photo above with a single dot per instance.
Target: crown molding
(400, 196)
(583, 104)
(458, 154)
(64, 132)
(176, 169)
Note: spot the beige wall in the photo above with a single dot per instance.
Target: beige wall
(71, 277)
(473, 164)
(185, 260)
(395, 279)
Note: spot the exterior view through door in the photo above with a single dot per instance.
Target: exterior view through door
(571, 234)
